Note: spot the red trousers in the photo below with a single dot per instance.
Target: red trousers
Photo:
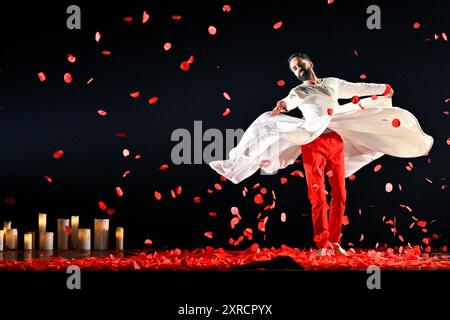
(322, 157)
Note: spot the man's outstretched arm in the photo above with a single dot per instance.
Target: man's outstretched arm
(292, 101)
(347, 90)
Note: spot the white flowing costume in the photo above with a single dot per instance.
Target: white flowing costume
(274, 142)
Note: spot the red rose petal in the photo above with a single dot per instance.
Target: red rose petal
(212, 30)
(227, 96)
(396, 123)
(167, 46)
(330, 111)
(444, 36)
(184, 66)
(226, 8)
(41, 76)
(234, 222)
(422, 224)
(217, 186)
(102, 112)
(363, 76)
(280, 83)
(58, 154)
(389, 187)
(119, 191)
(258, 198)
(283, 217)
(178, 190)
(68, 230)
(355, 99)
(97, 36)
(377, 168)
(176, 17)
(352, 177)
(128, 19)
(106, 52)
(163, 167)
(145, 17)
(153, 100)
(197, 199)
(157, 195)
(278, 25)
(212, 214)
(135, 94)
(148, 242)
(49, 180)
(416, 25)
(283, 180)
(226, 112)
(102, 205)
(345, 220)
(67, 77)
(234, 211)
(71, 58)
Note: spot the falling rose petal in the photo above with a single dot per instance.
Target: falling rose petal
(173, 194)
(217, 186)
(374, 97)
(355, 99)
(135, 94)
(126, 152)
(178, 190)
(67, 77)
(184, 66)
(212, 30)
(283, 180)
(212, 214)
(106, 52)
(416, 25)
(145, 17)
(396, 123)
(428, 180)
(363, 76)
(444, 36)
(226, 95)
(9, 201)
(102, 112)
(41, 76)
(71, 58)
(234, 222)
(330, 111)
(126, 173)
(110, 211)
(119, 191)
(388, 187)
(280, 83)
(361, 238)
(226, 8)
(102, 205)
(148, 242)
(128, 19)
(153, 100)
(345, 221)
(422, 224)
(448, 141)
(208, 234)
(49, 180)
(191, 59)
(330, 1)
(89, 81)
(356, 53)
(278, 25)
(283, 217)
(222, 178)
(263, 190)
(97, 36)
(164, 167)
(176, 17)
(197, 199)
(167, 46)
(58, 154)
(226, 112)
(157, 195)
(377, 168)
(400, 237)
(68, 230)
(234, 211)
(352, 177)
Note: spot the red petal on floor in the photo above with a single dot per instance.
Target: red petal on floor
(208, 234)
(396, 123)
(212, 30)
(67, 77)
(184, 66)
(41, 76)
(145, 17)
(163, 167)
(119, 191)
(278, 25)
(258, 198)
(58, 154)
(71, 58)
(157, 195)
(153, 100)
(102, 205)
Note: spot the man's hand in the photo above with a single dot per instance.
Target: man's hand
(280, 107)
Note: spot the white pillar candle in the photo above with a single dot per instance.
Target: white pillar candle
(46, 241)
(119, 238)
(63, 237)
(42, 222)
(33, 240)
(74, 235)
(1, 240)
(28, 241)
(11, 239)
(84, 239)
(101, 234)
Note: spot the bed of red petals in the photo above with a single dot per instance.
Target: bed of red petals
(223, 260)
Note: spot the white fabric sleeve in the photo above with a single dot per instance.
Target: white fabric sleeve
(292, 100)
(347, 90)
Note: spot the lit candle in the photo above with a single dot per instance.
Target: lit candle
(28, 241)
(63, 238)
(46, 241)
(101, 234)
(119, 238)
(84, 239)
(1, 240)
(11, 239)
(33, 240)
(74, 235)
(42, 222)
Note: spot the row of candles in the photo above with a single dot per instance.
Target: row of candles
(79, 238)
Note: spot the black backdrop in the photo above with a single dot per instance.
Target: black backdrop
(245, 58)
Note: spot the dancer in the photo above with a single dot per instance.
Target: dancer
(334, 140)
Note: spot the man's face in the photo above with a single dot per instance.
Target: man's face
(302, 68)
